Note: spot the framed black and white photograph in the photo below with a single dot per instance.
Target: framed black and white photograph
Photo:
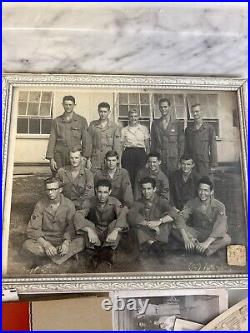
(172, 310)
(123, 182)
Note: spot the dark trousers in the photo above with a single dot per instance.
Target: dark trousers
(168, 164)
(202, 167)
(132, 160)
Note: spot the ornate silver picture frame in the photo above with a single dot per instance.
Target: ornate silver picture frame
(32, 101)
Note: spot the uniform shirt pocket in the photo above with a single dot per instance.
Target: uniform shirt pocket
(173, 137)
(76, 132)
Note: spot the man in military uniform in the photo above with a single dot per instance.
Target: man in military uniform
(153, 218)
(50, 230)
(167, 138)
(78, 181)
(153, 170)
(119, 178)
(200, 143)
(67, 130)
(183, 182)
(101, 221)
(207, 219)
(105, 136)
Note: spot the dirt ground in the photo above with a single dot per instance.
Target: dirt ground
(28, 189)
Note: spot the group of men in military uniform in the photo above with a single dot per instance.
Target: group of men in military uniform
(91, 202)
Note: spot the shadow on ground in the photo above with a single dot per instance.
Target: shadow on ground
(28, 189)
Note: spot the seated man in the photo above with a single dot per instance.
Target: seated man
(183, 182)
(50, 230)
(119, 178)
(101, 220)
(208, 231)
(78, 182)
(153, 219)
(153, 170)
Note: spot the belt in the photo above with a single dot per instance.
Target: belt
(59, 143)
(134, 148)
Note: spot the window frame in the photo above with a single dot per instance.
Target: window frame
(35, 117)
(185, 120)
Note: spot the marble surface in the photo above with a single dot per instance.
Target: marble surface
(162, 38)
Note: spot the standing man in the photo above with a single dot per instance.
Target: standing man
(135, 141)
(78, 181)
(105, 136)
(152, 217)
(207, 219)
(153, 170)
(67, 130)
(200, 143)
(119, 178)
(183, 182)
(50, 230)
(167, 138)
(101, 221)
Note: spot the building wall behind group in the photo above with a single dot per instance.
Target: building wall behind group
(229, 146)
(31, 149)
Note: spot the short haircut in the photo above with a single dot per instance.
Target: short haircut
(186, 157)
(194, 105)
(75, 149)
(103, 182)
(154, 154)
(111, 153)
(53, 180)
(69, 98)
(103, 105)
(206, 180)
(133, 109)
(163, 100)
(146, 180)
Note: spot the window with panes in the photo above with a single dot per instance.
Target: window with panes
(34, 112)
(209, 105)
(148, 106)
(180, 104)
(139, 101)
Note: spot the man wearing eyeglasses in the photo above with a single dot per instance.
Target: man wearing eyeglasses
(50, 230)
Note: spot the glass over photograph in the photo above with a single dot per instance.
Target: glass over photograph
(123, 180)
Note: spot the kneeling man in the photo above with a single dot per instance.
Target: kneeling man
(50, 230)
(183, 182)
(78, 181)
(119, 178)
(101, 220)
(153, 170)
(153, 219)
(208, 220)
